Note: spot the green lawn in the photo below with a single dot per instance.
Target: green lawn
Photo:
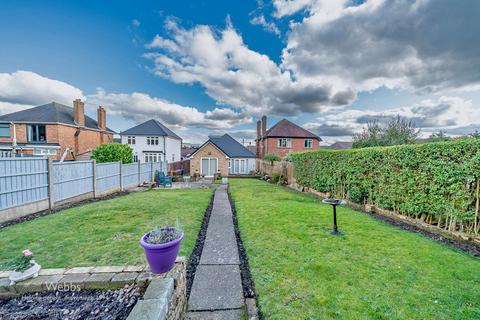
(375, 271)
(106, 232)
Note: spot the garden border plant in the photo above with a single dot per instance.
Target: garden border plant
(436, 183)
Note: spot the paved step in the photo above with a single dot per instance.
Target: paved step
(216, 315)
(217, 292)
(216, 287)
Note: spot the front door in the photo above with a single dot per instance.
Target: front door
(209, 166)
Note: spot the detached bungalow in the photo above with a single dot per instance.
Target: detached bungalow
(222, 154)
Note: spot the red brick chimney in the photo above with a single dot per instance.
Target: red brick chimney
(264, 125)
(79, 112)
(101, 118)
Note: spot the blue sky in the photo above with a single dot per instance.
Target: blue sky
(206, 67)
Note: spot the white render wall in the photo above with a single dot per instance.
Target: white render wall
(172, 146)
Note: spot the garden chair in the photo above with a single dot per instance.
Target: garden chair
(162, 179)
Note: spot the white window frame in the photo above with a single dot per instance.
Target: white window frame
(44, 152)
(5, 126)
(131, 139)
(152, 141)
(284, 143)
(152, 156)
(308, 143)
(201, 165)
(135, 158)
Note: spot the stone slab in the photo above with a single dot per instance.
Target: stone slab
(144, 276)
(4, 274)
(39, 283)
(152, 309)
(134, 268)
(126, 277)
(216, 287)
(6, 288)
(51, 272)
(159, 289)
(236, 314)
(99, 280)
(108, 269)
(220, 247)
(79, 270)
(75, 278)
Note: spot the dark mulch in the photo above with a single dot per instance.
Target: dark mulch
(247, 280)
(43, 213)
(72, 305)
(468, 247)
(194, 259)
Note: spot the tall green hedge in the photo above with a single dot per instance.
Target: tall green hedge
(436, 182)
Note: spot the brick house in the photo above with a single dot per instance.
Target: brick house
(284, 137)
(221, 154)
(54, 130)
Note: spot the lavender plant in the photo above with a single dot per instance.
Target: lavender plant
(165, 234)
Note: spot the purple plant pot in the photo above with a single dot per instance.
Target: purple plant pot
(161, 257)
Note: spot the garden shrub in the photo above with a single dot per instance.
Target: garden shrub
(436, 182)
(111, 152)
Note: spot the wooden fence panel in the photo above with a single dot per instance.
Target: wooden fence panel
(108, 176)
(23, 181)
(71, 179)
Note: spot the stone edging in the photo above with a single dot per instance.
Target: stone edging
(164, 298)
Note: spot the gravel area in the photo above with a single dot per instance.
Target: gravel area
(194, 259)
(71, 305)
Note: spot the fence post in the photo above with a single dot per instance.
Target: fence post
(121, 175)
(51, 201)
(94, 174)
(153, 172)
(139, 172)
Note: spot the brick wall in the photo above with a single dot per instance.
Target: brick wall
(65, 136)
(270, 146)
(210, 151)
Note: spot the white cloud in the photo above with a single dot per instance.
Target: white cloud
(136, 23)
(234, 75)
(141, 107)
(421, 45)
(452, 114)
(267, 26)
(23, 89)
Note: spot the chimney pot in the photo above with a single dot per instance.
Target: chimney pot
(101, 118)
(79, 112)
(264, 125)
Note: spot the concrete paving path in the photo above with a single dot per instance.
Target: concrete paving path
(217, 292)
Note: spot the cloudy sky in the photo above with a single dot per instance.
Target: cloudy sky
(205, 67)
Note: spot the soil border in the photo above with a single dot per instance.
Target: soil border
(196, 254)
(247, 280)
(47, 212)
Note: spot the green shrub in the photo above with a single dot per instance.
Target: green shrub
(272, 158)
(110, 152)
(436, 182)
(276, 177)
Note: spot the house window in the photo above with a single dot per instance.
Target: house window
(308, 143)
(36, 133)
(151, 141)
(131, 140)
(5, 130)
(284, 143)
(135, 158)
(152, 157)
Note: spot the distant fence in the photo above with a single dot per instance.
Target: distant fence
(28, 185)
(174, 168)
(282, 168)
